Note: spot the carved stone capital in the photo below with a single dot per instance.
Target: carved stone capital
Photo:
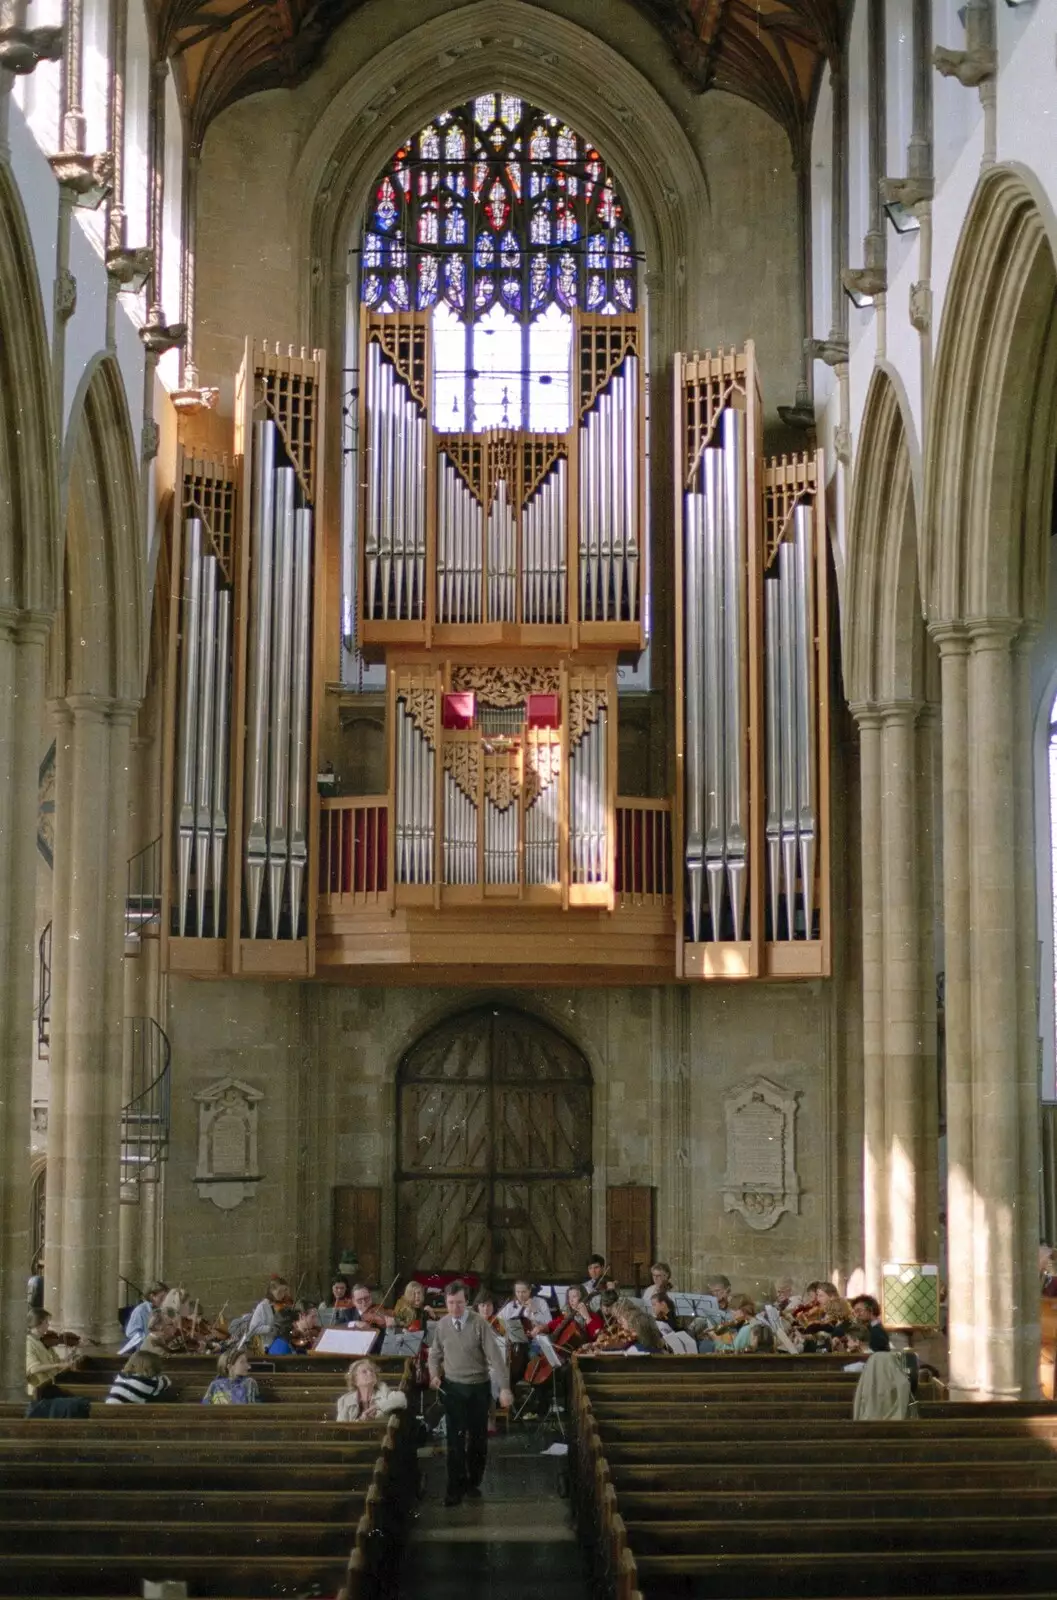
(192, 396)
(909, 192)
(970, 67)
(842, 446)
(869, 281)
(832, 352)
(124, 264)
(158, 336)
(88, 178)
(23, 49)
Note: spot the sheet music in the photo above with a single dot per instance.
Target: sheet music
(346, 1342)
(697, 1305)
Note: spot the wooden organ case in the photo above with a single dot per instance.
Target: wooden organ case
(752, 818)
(240, 817)
(501, 578)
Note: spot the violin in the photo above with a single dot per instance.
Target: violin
(69, 1341)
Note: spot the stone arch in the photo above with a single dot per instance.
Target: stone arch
(29, 500)
(493, 1166)
(884, 633)
(506, 44)
(102, 647)
(989, 461)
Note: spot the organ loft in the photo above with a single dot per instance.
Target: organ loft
(528, 652)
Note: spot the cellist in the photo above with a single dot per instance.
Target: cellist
(577, 1315)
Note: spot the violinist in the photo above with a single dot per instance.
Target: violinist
(283, 1333)
(306, 1331)
(139, 1318)
(484, 1305)
(615, 1335)
(598, 1281)
(661, 1273)
(365, 1313)
(662, 1310)
(340, 1308)
(411, 1312)
(43, 1365)
(261, 1326)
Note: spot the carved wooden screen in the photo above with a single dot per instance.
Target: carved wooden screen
(494, 1152)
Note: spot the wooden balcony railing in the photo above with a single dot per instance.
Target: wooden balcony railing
(643, 852)
(353, 852)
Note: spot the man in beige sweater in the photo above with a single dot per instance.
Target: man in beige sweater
(463, 1357)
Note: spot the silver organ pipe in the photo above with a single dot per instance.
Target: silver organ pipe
(541, 837)
(460, 529)
(395, 520)
(609, 468)
(189, 670)
(299, 752)
(502, 558)
(259, 670)
(279, 741)
(460, 834)
(543, 573)
(500, 842)
(415, 773)
(203, 727)
(278, 646)
(792, 800)
(587, 802)
(716, 838)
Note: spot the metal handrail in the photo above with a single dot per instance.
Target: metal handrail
(44, 994)
(143, 896)
(145, 1117)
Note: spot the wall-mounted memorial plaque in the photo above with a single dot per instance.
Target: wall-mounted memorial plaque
(761, 1179)
(227, 1142)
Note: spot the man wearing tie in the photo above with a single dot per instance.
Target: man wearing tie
(464, 1356)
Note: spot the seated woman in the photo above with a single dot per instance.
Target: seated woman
(616, 1335)
(43, 1364)
(282, 1334)
(661, 1273)
(411, 1311)
(662, 1310)
(233, 1385)
(140, 1382)
(589, 1322)
(366, 1397)
(645, 1335)
(339, 1309)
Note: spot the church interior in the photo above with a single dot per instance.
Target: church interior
(528, 654)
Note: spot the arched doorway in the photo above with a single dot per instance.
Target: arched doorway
(494, 1149)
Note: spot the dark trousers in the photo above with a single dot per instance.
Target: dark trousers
(466, 1407)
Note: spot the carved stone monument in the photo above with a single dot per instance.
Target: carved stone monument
(761, 1180)
(227, 1142)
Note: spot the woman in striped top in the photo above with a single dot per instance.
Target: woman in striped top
(139, 1382)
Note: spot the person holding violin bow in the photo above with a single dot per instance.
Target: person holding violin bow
(599, 1281)
(138, 1324)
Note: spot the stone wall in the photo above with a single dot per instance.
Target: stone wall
(325, 1058)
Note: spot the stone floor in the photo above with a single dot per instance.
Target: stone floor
(518, 1540)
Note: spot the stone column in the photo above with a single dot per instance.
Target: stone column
(62, 720)
(875, 1196)
(996, 1033)
(22, 637)
(953, 645)
(1028, 1015)
(902, 1031)
(927, 795)
(671, 1130)
(90, 1023)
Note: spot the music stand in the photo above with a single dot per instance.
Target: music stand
(554, 1410)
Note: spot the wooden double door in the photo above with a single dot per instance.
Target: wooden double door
(494, 1154)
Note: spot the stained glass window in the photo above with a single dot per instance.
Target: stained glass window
(502, 219)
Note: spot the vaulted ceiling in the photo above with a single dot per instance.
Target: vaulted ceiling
(767, 51)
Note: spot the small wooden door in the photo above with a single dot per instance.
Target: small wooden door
(494, 1150)
(357, 1226)
(629, 1233)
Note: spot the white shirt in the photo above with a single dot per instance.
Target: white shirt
(535, 1311)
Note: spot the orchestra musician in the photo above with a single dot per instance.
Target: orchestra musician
(661, 1273)
(365, 1314)
(578, 1312)
(598, 1281)
(532, 1315)
(411, 1311)
(615, 1335)
(139, 1318)
(44, 1365)
(336, 1312)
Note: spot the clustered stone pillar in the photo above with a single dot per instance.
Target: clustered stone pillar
(899, 1016)
(22, 638)
(992, 1082)
(82, 1230)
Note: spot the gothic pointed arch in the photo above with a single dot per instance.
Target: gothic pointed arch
(104, 633)
(29, 503)
(493, 1167)
(990, 456)
(883, 633)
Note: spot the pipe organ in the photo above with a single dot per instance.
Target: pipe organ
(239, 817)
(752, 834)
(505, 530)
(502, 575)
